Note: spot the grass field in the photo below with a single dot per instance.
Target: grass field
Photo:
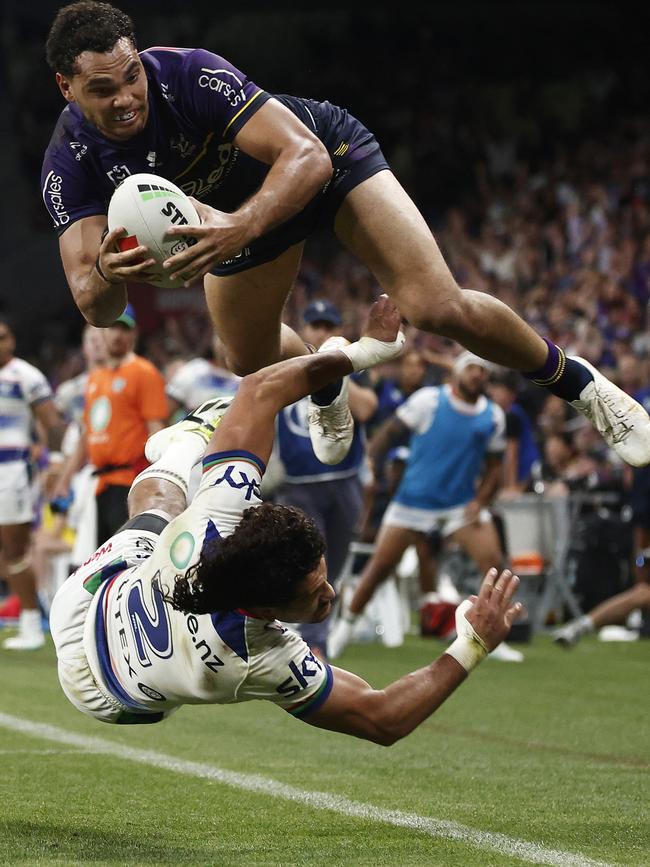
(546, 762)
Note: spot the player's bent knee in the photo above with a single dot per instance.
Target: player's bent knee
(436, 315)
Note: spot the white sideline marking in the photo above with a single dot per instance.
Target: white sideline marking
(534, 853)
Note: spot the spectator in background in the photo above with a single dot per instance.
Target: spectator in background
(70, 398)
(391, 393)
(453, 471)
(330, 495)
(612, 611)
(200, 379)
(125, 404)
(25, 397)
(522, 458)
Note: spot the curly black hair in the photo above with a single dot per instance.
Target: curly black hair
(269, 554)
(85, 26)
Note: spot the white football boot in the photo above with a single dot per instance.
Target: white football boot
(201, 422)
(331, 427)
(619, 419)
(569, 635)
(30, 633)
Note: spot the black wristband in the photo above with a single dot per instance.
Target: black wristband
(100, 272)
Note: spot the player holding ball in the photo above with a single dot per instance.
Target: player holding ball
(265, 171)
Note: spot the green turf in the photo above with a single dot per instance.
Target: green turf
(554, 752)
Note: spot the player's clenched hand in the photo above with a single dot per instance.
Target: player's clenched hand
(492, 613)
(383, 320)
(220, 236)
(117, 266)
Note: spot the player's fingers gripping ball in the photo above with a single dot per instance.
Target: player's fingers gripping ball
(148, 206)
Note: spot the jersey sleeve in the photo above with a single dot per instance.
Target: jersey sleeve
(35, 386)
(66, 188)
(230, 485)
(288, 674)
(218, 96)
(417, 412)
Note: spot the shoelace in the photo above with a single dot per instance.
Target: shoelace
(608, 419)
(333, 423)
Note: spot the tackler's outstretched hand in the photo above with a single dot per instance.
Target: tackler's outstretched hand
(382, 339)
(484, 621)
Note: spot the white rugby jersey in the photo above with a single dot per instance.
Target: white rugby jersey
(22, 386)
(199, 380)
(152, 658)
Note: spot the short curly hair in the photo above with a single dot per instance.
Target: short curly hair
(85, 26)
(262, 563)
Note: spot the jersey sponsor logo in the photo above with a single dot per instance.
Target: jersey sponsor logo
(181, 549)
(301, 675)
(117, 174)
(208, 657)
(252, 485)
(100, 414)
(164, 89)
(105, 549)
(243, 254)
(211, 79)
(150, 692)
(52, 196)
(149, 620)
(201, 187)
(78, 149)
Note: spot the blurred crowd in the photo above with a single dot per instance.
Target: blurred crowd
(537, 190)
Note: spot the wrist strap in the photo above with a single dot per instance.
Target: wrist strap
(100, 272)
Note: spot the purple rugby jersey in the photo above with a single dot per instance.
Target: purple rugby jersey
(197, 103)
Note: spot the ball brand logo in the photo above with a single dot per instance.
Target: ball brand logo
(53, 200)
(154, 191)
(210, 78)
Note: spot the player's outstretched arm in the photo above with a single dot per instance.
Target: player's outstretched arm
(97, 270)
(387, 715)
(249, 423)
(300, 167)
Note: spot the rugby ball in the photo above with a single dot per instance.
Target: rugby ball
(148, 206)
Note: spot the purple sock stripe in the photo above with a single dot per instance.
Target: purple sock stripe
(553, 367)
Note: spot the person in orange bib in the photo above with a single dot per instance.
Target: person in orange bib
(125, 404)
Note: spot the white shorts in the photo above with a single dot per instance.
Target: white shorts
(445, 521)
(16, 494)
(68, 625)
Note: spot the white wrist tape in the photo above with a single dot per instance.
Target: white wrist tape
(468, 648)
(368, 351)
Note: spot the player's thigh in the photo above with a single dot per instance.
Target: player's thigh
(380, 224)
(15, 540)
(246, 308)
(481, 543)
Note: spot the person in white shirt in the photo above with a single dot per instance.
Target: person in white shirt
(25, 395)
